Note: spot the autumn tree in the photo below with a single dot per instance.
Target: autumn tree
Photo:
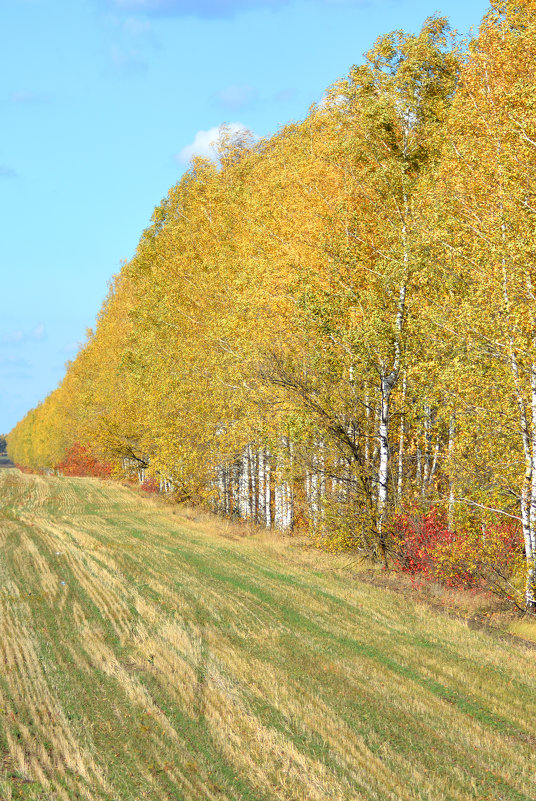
(309, 329)
(353, 171)
(486, 221)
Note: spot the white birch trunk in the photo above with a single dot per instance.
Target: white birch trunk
(452, 434)
(252, 484)
(289, 522)
(366, 449)
(244, 486)
(427, 465)
(284, 500)
(435, 459)
(236, 472)
(530, 540)
(321, 462)
(387, 383)
(261, 484)
(376, 449)
(312, 495)
(279, 516)
(401, 443)
(528, 494)
(289, 507)
(383, 465)
(267, 490)
(220, 483)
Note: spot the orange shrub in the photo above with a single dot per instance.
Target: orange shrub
(79, 461)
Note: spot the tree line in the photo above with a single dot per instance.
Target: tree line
(334, 328)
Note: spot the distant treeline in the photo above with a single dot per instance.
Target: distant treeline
(334, 328)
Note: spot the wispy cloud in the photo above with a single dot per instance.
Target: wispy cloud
(285, 95)
(29, 97)
(237, 96)
(132, 38)
(39, 332)
(139, 32)
(216, 9)
(70, 348)
(127, 60)
(18, 337)
(137, 27)
(193, 8)
(13, 361)
(7, 172)
(205, 142)
(13, 337)
(19, 374)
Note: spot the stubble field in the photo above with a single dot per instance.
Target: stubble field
(146, 654)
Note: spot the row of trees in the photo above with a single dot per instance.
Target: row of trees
(336, 326)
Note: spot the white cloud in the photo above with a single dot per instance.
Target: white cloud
(205, 142)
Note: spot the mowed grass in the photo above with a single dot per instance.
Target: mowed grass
(146, 656)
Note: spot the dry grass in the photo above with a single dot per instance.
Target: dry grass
(523, 628)
(156, 653)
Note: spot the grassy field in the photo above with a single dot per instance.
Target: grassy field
(147, 654)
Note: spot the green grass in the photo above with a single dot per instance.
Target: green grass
(150, 654)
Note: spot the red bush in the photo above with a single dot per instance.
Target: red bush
(424, 546)
(79, 461)
(29, 470)
(415, 539)
(150, 485)
(490, 558)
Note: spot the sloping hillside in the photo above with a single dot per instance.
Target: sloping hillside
(146, 656)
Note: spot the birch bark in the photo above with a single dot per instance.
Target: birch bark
(401, 441)
(387, 383)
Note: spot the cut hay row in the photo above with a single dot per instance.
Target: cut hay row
(146, 655)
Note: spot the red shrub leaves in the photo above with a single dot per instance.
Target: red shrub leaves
(29, 470)
(488, 558)
(416, 538)
(150, 485)
(79, 461)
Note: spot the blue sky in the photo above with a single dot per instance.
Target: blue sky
(102, 104)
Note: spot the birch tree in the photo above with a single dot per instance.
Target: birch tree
(389, 115)
(488, 209)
